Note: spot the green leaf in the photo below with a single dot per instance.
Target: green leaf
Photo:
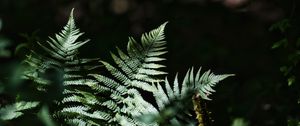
(4, 44)
(45, 116)
(60, 53)
(191, 85)
(239, 122)
(291, 80)
(281, 25)
(136, 70)
(15, 110)
(286, 70)
(293, 122)
(282, 42)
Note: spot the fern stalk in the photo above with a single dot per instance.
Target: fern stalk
(198, 109)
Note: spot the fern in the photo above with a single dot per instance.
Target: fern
(61, 54)
(115, 99)
(138, 70)
(198, 85)
(15, 110)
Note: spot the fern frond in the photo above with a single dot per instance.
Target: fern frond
(15, 110)
(83, 111)
(141, 63)
(136, 70)
(61, 54)
(196, 86)
(200, 84)
(204, 84)
(65, 44)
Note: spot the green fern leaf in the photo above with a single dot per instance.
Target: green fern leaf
(169, 100)
(15, 110)
(191, 83)
(136, 70)
(61, 54)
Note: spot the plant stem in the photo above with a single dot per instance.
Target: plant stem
(198, 109)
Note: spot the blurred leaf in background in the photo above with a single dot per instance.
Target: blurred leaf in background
(0, 24)
(19, 96)
(293, 122)
(239, 122)
(45, 116)
(283, 25)
(4, 44)
(29, 43)
(289, 49)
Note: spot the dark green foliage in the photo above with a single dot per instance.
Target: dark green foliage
(290, 51)
(290, 48)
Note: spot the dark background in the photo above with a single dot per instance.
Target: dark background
(227, 36)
